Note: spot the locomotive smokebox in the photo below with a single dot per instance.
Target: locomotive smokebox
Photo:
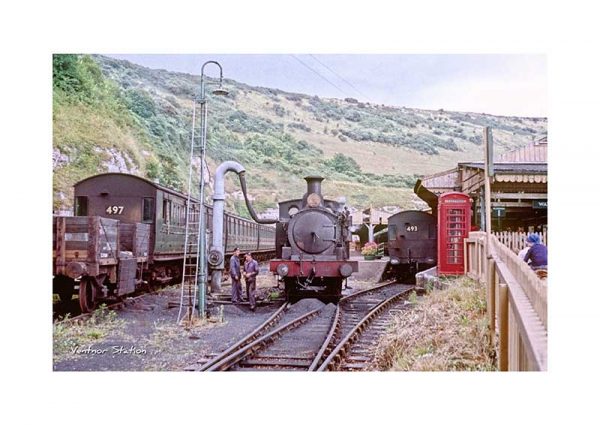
(313, 184)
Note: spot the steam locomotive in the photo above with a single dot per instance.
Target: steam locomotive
(412, 243)
(312, 245)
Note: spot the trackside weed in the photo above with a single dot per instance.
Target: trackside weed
(444, 331)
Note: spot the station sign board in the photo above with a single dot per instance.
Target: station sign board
(540, 204)
(498, 212)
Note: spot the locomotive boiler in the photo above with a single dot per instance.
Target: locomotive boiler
(312, 245)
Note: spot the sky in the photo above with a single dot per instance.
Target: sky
(498, 84)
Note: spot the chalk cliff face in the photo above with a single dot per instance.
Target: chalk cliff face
(112, 115)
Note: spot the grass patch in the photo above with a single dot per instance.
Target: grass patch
(68, 335)
(444, 331)
(169, 342)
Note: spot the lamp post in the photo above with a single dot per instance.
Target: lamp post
(202, 227)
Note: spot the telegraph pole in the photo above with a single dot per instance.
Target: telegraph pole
(488, 173)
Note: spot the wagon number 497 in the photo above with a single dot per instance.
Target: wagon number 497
(114, 209)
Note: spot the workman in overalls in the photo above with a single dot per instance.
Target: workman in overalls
(250, 272)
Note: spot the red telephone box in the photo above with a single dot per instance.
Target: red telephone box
(454, 222)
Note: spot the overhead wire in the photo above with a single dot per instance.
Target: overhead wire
(319, 74)
(341, 78)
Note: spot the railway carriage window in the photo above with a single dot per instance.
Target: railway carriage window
(147, 209)
(81, 205)
(177, 219)
(166, 211)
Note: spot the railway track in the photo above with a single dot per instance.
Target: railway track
(362, 322)
(326, 337)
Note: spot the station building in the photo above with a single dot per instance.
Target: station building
(519, 188)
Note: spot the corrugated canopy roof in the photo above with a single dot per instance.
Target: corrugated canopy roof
(536, 152)
(541, 168)
(528, 164)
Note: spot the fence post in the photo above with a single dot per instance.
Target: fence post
(503, 327)
(466, 256)
(480, 252)
(491, 298)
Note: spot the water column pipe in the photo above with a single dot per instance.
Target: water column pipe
(216, 256)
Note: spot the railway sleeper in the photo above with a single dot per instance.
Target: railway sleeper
(240, 368)
(285, 357)
(361, 351)
(354, 366)
(277, 363)
(358, 358)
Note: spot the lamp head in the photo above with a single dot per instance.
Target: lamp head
(220, 91)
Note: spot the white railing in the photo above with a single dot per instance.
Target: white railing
(516, 240)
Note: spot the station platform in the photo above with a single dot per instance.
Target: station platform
(370, 270)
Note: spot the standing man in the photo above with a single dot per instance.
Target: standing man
(236, 275)
(250, 272)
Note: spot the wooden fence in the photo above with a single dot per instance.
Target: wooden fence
(516, 300)
(516, 240)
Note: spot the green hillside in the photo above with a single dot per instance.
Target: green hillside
(112, 115)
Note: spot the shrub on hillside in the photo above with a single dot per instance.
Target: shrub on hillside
(353, 116)
(343, 164)
(300, 126)
(240, 122)
(279, 110)
(140, 103)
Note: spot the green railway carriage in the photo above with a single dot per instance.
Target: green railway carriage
(132, 199)
(149, 222)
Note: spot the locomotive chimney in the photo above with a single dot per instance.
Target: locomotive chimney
(313, 184)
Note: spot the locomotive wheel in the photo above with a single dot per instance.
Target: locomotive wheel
(87, 295)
